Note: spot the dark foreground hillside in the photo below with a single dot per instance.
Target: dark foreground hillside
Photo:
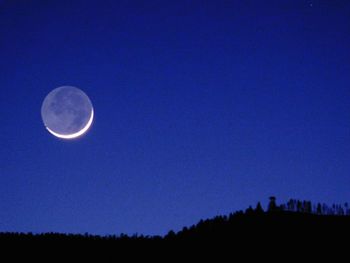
(294, 223)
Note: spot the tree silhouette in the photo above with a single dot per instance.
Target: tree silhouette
(249, 210)
(291, 205)
(272, 204)
(319, 209)
(299, 206)
(347, 211)
(307, 207)
(258, 208)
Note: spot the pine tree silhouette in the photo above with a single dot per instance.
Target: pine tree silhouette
(272, 204)
(258, 208)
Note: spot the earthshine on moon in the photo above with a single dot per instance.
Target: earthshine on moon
(67, 112)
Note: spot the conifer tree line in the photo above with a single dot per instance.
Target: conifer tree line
(304, 206)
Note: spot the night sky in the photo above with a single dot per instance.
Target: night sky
(201, 108)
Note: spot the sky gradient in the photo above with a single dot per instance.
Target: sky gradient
(201, 108)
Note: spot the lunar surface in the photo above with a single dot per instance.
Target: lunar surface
(67, 112)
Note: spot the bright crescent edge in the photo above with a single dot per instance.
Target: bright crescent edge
(77, 134)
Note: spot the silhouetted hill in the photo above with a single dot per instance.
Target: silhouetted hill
(296, 220)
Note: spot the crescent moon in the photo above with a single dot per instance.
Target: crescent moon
(77, 134)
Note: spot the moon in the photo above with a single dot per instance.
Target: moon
(67, 112)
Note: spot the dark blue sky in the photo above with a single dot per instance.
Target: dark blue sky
(201, 108)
